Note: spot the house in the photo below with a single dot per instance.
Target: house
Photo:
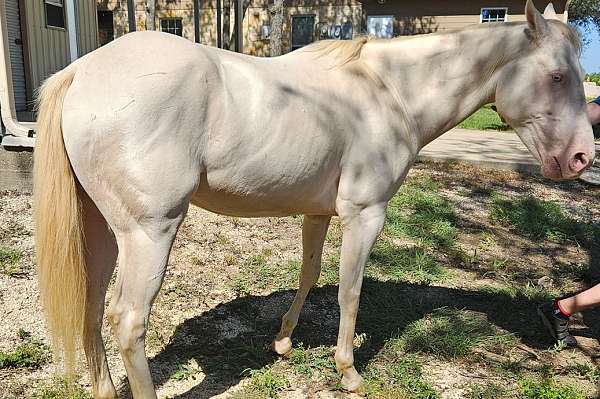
(38, 38)
(308, 20)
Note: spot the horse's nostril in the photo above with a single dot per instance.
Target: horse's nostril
(580, 161)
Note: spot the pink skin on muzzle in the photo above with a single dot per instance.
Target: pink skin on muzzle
(560, 167)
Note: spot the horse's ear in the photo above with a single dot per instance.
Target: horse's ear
(549, 12)
(566, 13)
(537, 24)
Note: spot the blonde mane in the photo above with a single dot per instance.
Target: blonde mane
(345, 51)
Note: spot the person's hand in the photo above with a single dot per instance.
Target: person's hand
(593, 111)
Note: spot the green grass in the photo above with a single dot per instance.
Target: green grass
(31, 354)
(419, 212)
(62, 389)
(451, 334)
(539, 219)
(412, 265)
(185, 371)
(397, 378)
(489, 391)
(529, 292)
(309, 361)
(585, 370)
(264, 383)
(9, 259)
(257, 274)
(484, 118)
(547, 388)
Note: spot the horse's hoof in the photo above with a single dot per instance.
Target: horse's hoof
(283, 347)
(351, 380)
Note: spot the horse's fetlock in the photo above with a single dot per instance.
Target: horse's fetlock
(343, 361)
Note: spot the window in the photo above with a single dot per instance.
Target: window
(347, 31)
(55, 14)
(303, 30)
(171, 25)
(106, 27)
(494, 14)
(381, 26)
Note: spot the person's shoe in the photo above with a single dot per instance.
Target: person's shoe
(557, 324)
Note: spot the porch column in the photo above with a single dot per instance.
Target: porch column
(72, 29)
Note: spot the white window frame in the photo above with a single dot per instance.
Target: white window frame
(493, 8)
(171, 19)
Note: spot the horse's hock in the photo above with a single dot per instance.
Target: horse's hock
(15, 171)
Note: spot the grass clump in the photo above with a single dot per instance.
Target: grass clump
(264, 383)
(62, 389)
(451, 333)
(539, 219)
(419, 212)
(398, 378)
(489, 391)
(547, 389)
(484, 118)
(412, 265)
(257, 273)
(309, 361)
(30, 354)
(185, 371)
(9, 259)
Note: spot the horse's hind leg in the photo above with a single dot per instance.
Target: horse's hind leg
(143, 255)
(101, 256)
(314, 229)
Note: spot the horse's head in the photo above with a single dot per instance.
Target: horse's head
(541, 96)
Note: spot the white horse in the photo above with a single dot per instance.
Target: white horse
(132, 133)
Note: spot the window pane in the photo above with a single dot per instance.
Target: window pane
(55, 16)
(493, 15)
(303, 31)
(380, 26)
(172, 25)
(347, 31)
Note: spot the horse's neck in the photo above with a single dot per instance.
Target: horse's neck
(443, 78)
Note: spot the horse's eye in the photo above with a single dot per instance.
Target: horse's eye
(557, 77)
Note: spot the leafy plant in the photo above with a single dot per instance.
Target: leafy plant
(31, 354)
(265, 382)
(8, 261)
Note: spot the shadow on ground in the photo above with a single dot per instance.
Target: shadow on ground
(387, 308)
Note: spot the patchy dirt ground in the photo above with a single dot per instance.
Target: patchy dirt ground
(453, 254)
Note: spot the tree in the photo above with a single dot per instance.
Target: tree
(275, 37)
(585, 13)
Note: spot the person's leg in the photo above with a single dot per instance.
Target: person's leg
(582, 301)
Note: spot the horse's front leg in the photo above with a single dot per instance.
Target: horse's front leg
(314, 229)
(361, 227)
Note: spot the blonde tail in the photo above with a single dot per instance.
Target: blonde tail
(59, 234)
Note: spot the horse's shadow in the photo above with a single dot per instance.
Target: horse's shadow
(236, 336)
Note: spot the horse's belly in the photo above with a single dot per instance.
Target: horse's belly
(227, 198)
